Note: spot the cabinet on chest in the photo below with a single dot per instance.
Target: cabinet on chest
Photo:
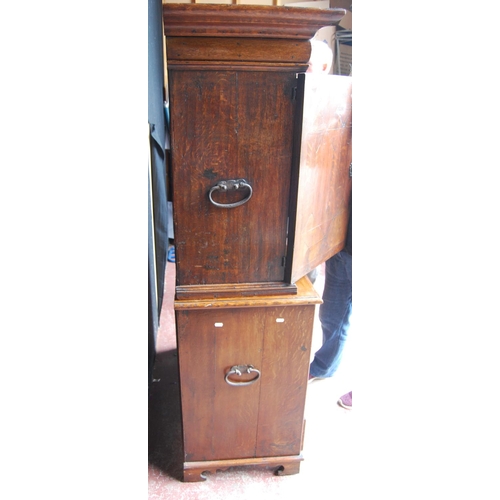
(260, 156)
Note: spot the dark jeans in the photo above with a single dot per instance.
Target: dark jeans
(334, 314)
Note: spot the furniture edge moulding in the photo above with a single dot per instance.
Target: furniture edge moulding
(306, 295)
(223, 50)
(254, 21)
(244, 38)
(228, 290)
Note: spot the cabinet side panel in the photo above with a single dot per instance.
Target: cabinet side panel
(287, 349)
(196, 351)
(230, 125)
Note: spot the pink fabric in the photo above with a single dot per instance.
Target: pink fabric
(346, 400)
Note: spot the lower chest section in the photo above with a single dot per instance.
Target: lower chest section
(243, 375)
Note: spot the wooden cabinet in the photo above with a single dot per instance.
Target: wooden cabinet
(255, 416)
(242, 109)
(260, 156)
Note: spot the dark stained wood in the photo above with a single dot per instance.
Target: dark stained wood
(264, 419)
(239, 342)
(219, 420)
(231, 125)
(286, 356)
(320, 211)
(234, 50)
(233, 105)
(237, 93)
(196, 352)
(247, 20)
(196, 292)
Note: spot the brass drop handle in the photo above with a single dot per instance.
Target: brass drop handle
(238, 370)
(231, 185)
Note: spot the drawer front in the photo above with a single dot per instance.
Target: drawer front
(262, 418)
(231, 125)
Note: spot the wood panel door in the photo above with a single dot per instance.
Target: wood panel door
(230, 125)
(322, 186)
(219, 420)
(263, 419)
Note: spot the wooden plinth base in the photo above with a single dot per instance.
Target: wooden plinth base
(284, 466)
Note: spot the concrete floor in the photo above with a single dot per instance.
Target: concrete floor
(328, 455)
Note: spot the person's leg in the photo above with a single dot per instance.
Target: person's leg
(334, 315)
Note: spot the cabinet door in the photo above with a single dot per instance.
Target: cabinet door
(263, 419)
(230, 125)
(320, 212)
(219, 420)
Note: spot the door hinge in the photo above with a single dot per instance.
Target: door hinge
(294, 93)
(283, 261)
(350, 170)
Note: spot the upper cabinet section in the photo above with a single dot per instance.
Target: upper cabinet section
(236, 109)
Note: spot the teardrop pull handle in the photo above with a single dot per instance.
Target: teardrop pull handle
(238, 370)
(231, 185)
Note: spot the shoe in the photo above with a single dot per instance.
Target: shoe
(346, 401)
(312, 378)
(171, 254)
